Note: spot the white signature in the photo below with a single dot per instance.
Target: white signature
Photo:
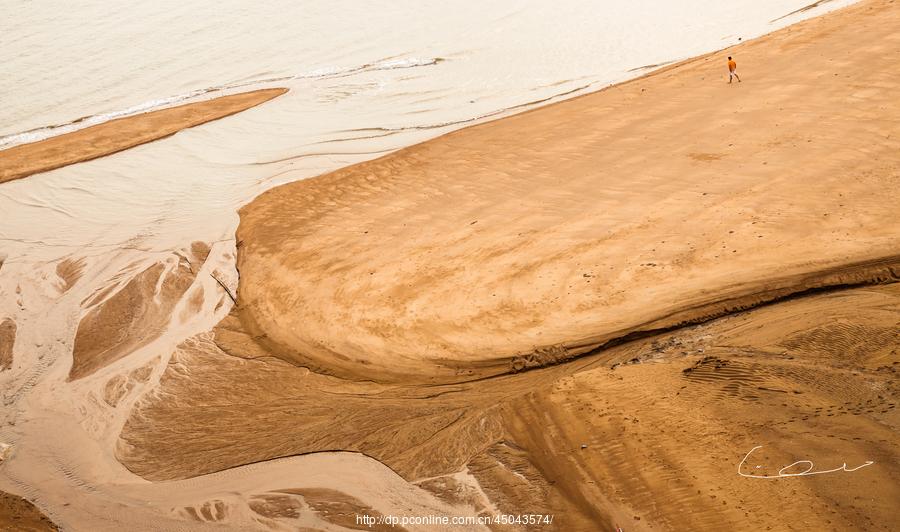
(809, 471)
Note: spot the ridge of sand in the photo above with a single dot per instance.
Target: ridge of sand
(562, 227)
(122, 133)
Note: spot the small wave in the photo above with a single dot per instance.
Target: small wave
(385, 64)
(45, 132)
(650, 67)
(323, 154)
(411, 62)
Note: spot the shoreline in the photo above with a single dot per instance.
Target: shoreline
(120, 134)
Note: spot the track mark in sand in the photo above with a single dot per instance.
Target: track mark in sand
(213, 510)
(68, 470)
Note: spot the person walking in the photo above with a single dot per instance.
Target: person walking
(732, 70)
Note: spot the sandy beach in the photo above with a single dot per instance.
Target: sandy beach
(536, 238)
(672, 304)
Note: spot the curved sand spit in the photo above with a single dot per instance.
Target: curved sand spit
(122, 133)
(618, 246)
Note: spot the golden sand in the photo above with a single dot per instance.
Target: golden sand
(535, 238)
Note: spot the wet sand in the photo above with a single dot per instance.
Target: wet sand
(598, 310)
(121, 134)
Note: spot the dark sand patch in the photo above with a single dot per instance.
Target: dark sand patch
(7, 341)
(19, 515)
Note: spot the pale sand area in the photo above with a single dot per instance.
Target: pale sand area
(222, 432)
(749, 231)
(535, 238)
(123, 133)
